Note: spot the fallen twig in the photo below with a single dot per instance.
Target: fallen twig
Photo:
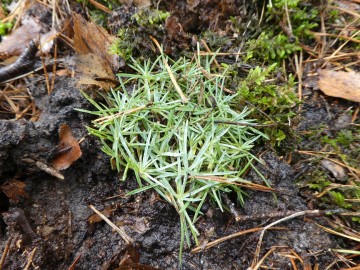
(231, 236)
(72, 266)
(121, 232)
(297, 214)
(6, 250)
(30, 258)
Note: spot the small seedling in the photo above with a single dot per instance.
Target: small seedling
(176, 139)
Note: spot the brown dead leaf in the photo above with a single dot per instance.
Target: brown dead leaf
(95, 218)
(340, 84)
(94, 65)
(68, 149)
(91, 69)
(14, 189)
(90, 38)
(17, 41)
(30, 29)
(131, 260)
(2, 13)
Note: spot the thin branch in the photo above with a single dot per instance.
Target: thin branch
(121, 232)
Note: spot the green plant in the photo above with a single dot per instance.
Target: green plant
(176, 136)
(274, 98)
(5, 27)
(271, 47)
(287, 24)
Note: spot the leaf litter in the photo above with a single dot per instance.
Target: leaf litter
(340, 84)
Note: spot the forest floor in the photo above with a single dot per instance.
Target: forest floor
(309, 220)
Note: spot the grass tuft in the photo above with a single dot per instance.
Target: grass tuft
(177, 147)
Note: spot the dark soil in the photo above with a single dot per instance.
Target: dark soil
(54, 218)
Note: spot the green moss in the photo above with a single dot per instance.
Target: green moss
(132, 41)
(271, 97)
(150, 17)
(277, 41)
(5, 28)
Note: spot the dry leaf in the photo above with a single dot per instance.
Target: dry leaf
(340, 84)
(131, 260)
(17, 41)
(91, 69)
(94, 65)
(90, 38)
(337, 170)
(68, 149)
(2, 13)
(14, 189)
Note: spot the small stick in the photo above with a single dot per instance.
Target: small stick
(45, 70)
(100, 6)
(228, 237)
(209, 51)
(297, 214)
(30, 258)
(231, 206)
(121, 232)
(111, 117)
(49, 170)
(54, 67)
(6, 250)
(184, 99)
(72, 266)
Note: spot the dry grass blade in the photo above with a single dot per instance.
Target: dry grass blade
(256, 267)
(101, 120)
(30, 259)
(231, 236)
(5, 252)
(100, 6)
(321, 154)
(357, 238)
(297, 214)
(225, 180)
(121, 232)
(73, 265)
(184, 99)
(16, 102)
